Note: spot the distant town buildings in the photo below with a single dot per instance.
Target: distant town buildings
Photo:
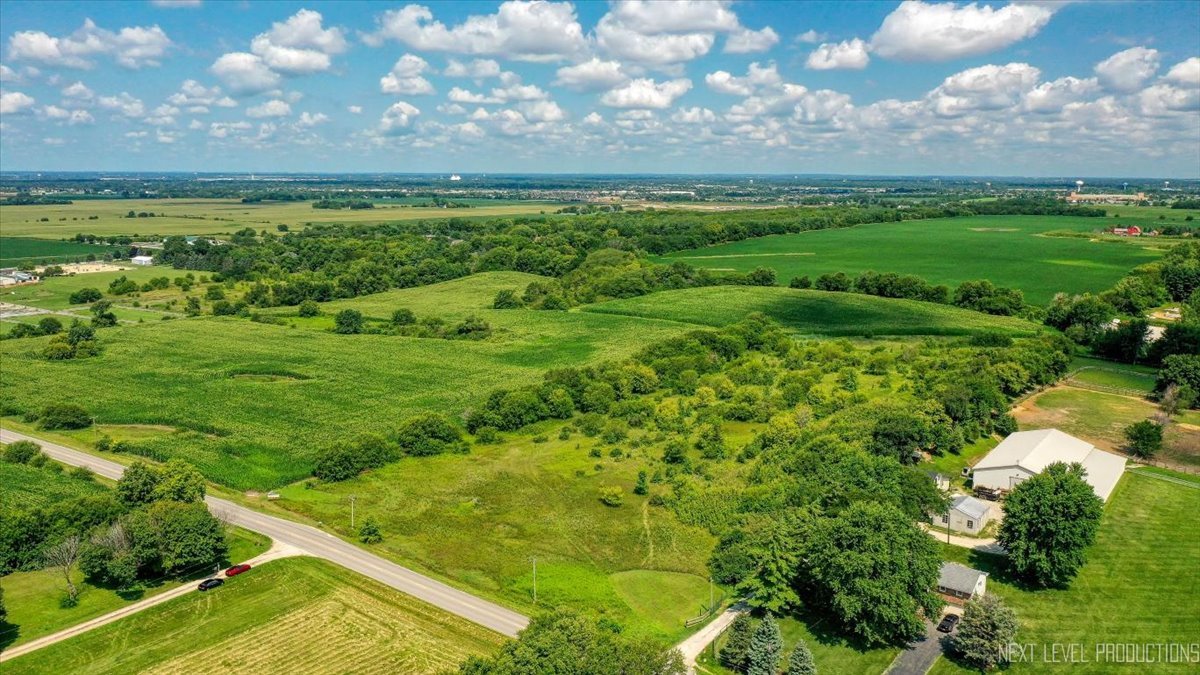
(11, 276)
(1115, 198)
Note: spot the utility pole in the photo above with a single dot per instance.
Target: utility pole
(352, 498)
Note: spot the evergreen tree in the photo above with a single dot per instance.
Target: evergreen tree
(737, 647)
(801, 661)
(642, 486)
(987, 626)
(766, 648)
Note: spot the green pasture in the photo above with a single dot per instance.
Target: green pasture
(1004, 249)
(1139, 584)
(295, 614)
(187, 216)
(27, 487)
(812, 312)
(16, 251)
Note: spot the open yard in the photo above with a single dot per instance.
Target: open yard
(221, 216)
(813, 312)
(831, 653)
(1008, 250)
(1139, 585)
(296, 614)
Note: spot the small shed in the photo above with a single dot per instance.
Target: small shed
(959, 583)
(142, 260)
(966, 514)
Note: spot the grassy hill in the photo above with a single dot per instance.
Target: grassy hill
(1009, 250)
(297, 614)
(812, 312)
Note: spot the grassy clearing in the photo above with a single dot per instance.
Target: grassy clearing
(32, 597)
(529, 499)
(15, 251)
(831, 653)
(1138, 586)
(813, 312)
(1005, 249)
(1101, 417)
(297, 614)
(1108, 375)
(253, 433)
(951, 464)
(219, 216)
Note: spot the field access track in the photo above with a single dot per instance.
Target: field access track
(319, 544)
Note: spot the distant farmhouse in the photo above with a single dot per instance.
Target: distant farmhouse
(1131, 231)
(11, 276)
(958, 583)
(966, 514)
(1026, 453)
(1117, 198)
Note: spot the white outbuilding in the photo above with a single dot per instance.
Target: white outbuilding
(142, 260)
(1026, 453)
(966, 514)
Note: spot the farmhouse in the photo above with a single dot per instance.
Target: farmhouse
(1026, 453)
(142, 260)
(966, 514)
(959, 582)
(1131, 231)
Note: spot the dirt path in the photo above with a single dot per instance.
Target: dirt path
(694, 646)
(277, 551)
(983, 545)
(649, 536)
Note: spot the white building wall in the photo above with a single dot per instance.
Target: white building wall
(1000, 478)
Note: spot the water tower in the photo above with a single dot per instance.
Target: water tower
(1079, 186)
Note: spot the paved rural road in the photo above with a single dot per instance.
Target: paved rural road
(314, 542)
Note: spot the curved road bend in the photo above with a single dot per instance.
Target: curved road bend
(319, 544)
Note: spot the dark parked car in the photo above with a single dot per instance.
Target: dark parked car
(210, 583)
(236, 570)
(948, 623)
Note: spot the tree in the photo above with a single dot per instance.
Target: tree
(64, 416)
(766, 648)
(566, 643)
(369, 532)
(85, 295)
(772, 548)
(308, 308)
(711, 443)
(138, 484)
(187, 536)
(507, 299)
(348, 322)
(642, 487)
(675, 452)
(1182, 370)
(801, 661)
(64, 555)
(403, 317)
(179, 481)
(735, 654)
(49, 326)
(988, 625)
(761, 276)
(1145, 438)
(21, 452)
(3, 610)
(1049, 520)
(872, 570)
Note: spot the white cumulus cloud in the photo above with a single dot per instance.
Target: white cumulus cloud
(591, 75)
(1128, 70)
(405, 77)
(847, 55)
(924, 31)
(12, 102)
(646, 93)
(272, 108)
(398, 118)
(132, 46)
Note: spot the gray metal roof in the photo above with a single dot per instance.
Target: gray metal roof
(971, 507)
(959, 577)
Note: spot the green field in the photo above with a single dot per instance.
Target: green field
(813, 312)
(1120, 378)
(1004, 249)
(220, 216)
(28, 487)
(16, 251)
(296, 615)
(248, 431)
(1139, 584)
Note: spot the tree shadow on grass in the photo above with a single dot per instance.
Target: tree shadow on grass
(827, 632)
(9, 632)
(997, 568)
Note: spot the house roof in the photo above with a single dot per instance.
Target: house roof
(1035, 450)
(971, 507)
(959, 577)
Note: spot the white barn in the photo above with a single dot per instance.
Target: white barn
(1026, 453)
(142, 260)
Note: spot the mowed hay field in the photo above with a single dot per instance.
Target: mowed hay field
(1008, 250)
(1139, 585)
(251, 404)
(221, 216)
(293, 615)
(813, 312)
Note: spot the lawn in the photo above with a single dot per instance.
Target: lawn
(16, 251)
(1139, 585)
(32, 597)
(478, 520)
(296, 615)
(1004, 249)
(1121, 378)
(220, 216)
(813, 312)
(251, 403)
(832, 654)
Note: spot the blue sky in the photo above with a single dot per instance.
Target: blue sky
(1032, 88)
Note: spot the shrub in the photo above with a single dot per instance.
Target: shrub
(347, 461)
(429, 434)
(487, 435)
(348, 322)
(64, 416)
(507, 299)
(21, 452)
(403, 317)
(611, 496)
(1145, 438)
(309, 308)
(84, 296)
(369, 533)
